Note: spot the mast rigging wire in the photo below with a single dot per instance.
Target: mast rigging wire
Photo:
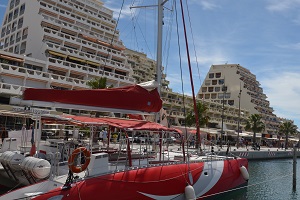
(181, 75)
(198, 142)
(168, 38)
(193, 41)
(112, 39)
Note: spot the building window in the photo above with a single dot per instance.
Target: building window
(211, 75)
(6, 42)
(204, 89)
(22, 9)
(18, 36)
(200, 96)
(13, 26)
(3, 31)
(11, 4)
(23, 48)
(225, 102)
(207, 82)
(221, 81)
(214, 82)
(17, 2)
(20, 22)
(8, 30)
(12, 38)
(16, 12)
(218, 75)
(17, 49)
(217, 89)
(210, 89)
(224, 88)
(231, 102)
(25, 33)
(10, 16)
(227, 95)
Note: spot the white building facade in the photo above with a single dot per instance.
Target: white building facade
(237, 86)
(61, 44)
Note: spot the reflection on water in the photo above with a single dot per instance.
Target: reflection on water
(269, 180)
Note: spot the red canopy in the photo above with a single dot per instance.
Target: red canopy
(194, 131)
(120, 123)
(133, 97)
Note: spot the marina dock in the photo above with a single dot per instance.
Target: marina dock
(261, 154)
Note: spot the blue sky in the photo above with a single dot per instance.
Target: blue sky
(261, 35)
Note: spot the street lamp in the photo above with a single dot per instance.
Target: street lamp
(239, 120)
(224, 89)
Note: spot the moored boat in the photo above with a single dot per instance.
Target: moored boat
(194, 177)
(161, 181)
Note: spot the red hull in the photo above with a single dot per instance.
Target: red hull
(159, 182)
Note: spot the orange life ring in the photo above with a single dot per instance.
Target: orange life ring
(81, 167)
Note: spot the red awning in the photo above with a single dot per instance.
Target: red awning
(120, 123)
(133, 116)
(133, 97)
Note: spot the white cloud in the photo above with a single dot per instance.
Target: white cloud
(282, 5)
(116, 8)
(283, 92)
(126, 12)
(297, 20)
(295, 46)
(206, 5)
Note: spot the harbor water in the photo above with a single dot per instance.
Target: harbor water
(269, 180)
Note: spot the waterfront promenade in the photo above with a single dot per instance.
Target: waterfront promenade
(262, 153)
(249, 153)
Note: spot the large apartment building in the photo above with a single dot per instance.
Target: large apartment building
(62, 44)
(175, 104)
(236, 86)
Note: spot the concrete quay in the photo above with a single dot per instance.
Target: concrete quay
(262, 154)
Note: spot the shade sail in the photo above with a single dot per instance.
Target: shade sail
(132, 97)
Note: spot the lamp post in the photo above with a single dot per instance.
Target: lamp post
(222, 125)
(239, 120)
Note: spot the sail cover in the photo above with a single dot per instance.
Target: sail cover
(132, 97)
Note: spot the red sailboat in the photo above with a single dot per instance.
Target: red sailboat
(195, 177)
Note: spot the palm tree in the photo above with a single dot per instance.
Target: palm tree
(287, 128)
(97, 83)
(255, 125)
(203, 119)
(202, 115)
